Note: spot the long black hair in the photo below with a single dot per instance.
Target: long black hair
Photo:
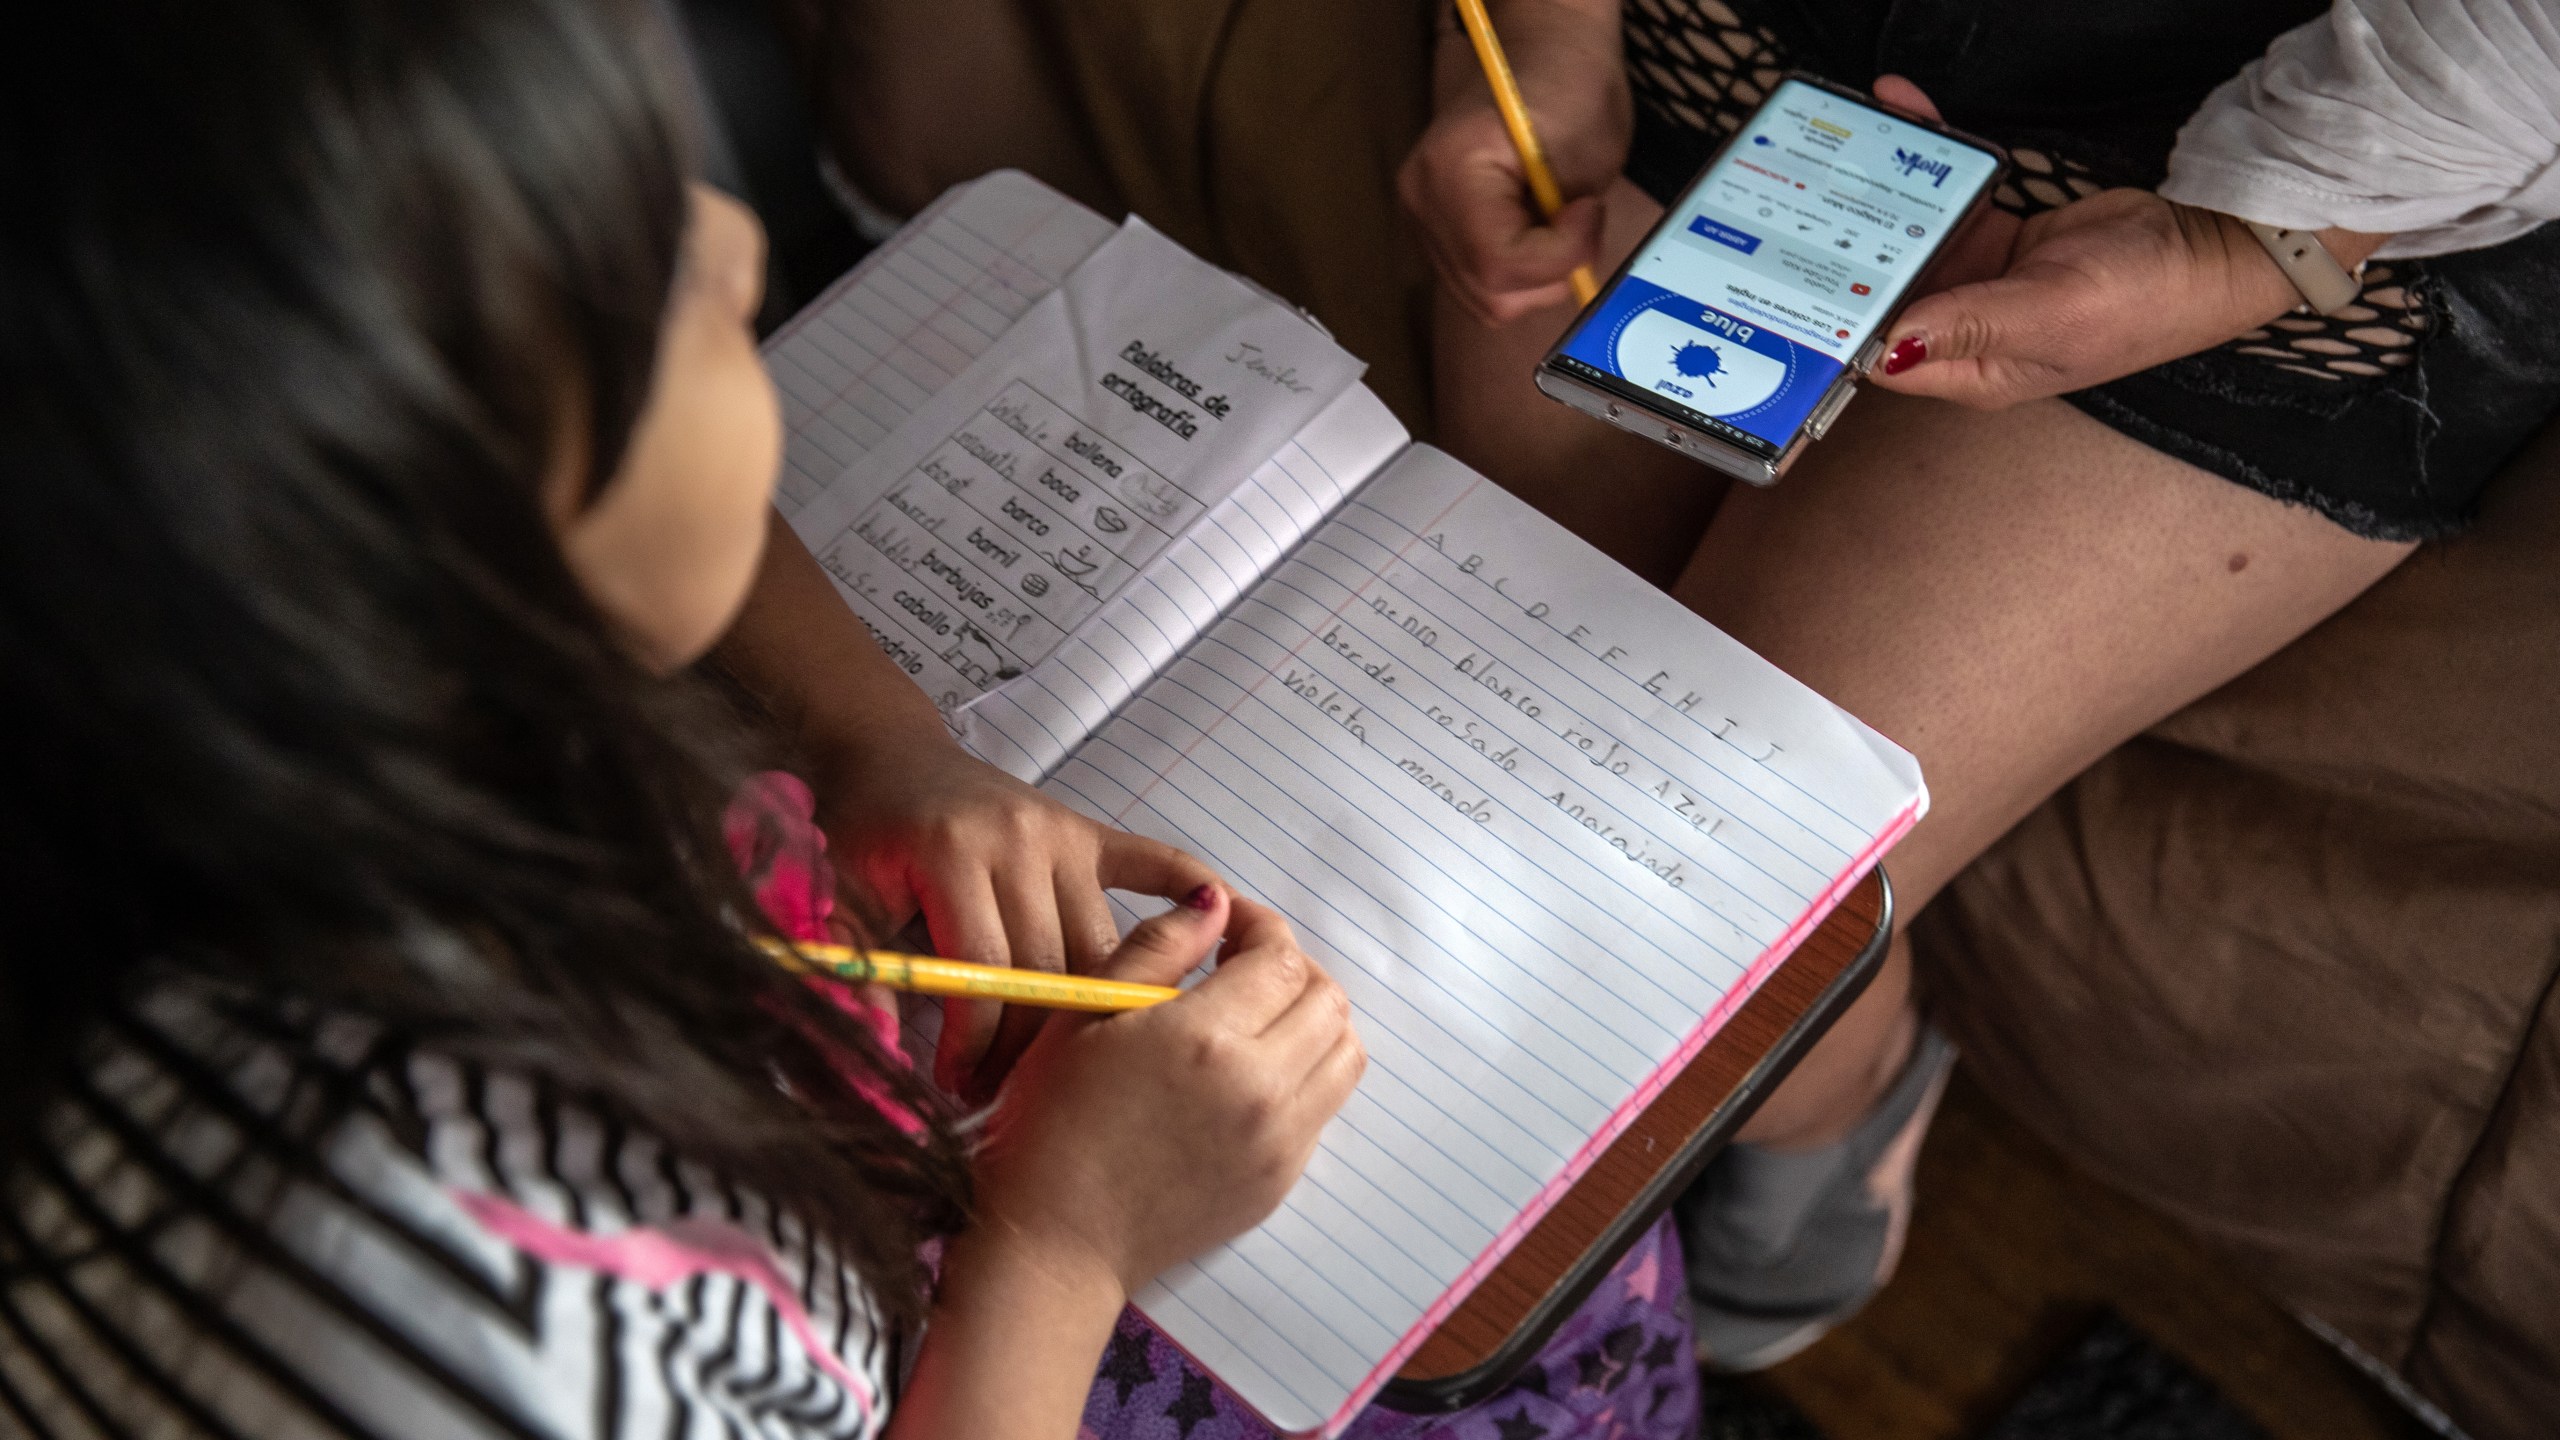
(296, 690)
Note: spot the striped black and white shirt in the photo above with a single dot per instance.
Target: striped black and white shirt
(459, 1254)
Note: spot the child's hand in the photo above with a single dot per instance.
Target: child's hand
(1003, 874)
(1124, 1145)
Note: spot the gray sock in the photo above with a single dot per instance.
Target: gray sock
(1783, 1243)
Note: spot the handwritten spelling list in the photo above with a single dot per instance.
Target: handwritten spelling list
(1544, 825)
(1005, 510)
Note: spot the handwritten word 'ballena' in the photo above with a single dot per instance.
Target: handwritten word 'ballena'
(1153, 363)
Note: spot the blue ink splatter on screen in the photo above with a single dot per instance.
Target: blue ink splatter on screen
(1698, 361)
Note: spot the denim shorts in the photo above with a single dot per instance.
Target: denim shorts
(2388, 420)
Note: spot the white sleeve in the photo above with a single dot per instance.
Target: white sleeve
(2434, 121)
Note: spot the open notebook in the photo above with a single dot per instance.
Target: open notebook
(1150, 544)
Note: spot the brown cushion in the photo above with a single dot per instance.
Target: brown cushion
(2273, 966)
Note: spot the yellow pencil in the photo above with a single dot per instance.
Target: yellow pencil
(1515, 118)
(927, 975)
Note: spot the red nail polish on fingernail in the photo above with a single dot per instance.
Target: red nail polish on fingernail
(1204, 898)
(1907, 352)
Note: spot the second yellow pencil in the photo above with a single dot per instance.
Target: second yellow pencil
(1524, 137)
(931, 975)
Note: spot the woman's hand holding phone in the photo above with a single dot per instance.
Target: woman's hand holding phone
(2096, 290)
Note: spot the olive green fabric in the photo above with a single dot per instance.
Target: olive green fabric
(2283, 967)
(1263, 134)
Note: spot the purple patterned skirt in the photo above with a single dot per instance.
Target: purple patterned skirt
(1621, 1366)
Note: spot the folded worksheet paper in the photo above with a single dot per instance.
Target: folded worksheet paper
(1547, 827)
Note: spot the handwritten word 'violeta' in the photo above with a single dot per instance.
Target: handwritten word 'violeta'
(1310, 687)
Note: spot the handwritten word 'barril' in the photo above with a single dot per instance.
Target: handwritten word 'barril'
(1180, 422)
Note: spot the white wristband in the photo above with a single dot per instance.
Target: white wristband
(2324, 284)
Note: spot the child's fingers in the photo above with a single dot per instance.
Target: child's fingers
(1262, 971)
(1330, 1081)
(1318, 1017)
(1166, 947)
(1033, 941)
(967, 924)
(1084, 918)
(1145, 866)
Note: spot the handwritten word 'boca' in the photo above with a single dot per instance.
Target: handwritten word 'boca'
(1058, 485)
(1135, 396)
(1382, 671)
(1476, 737)
(1249, 355)
(1310, 687)
(1153, 363)
(1673, 871)
(1095, 452)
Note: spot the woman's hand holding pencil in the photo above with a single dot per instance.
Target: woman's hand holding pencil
(1473, 186)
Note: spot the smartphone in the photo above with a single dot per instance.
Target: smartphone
(1738, 329)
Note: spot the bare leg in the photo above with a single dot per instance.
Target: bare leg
(2010, 596)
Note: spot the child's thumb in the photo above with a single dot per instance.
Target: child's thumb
(1162, 950)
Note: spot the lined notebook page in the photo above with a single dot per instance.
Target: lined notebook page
(899, 326)
(1028, 724)
(1546, 827)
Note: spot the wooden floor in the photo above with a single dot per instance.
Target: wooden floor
(2012, 1254)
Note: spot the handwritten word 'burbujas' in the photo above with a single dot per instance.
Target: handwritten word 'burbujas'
(1154, 364)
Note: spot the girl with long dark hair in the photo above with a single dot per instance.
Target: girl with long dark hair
(385, 1048)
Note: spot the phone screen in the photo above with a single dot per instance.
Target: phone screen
(1781, 261)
